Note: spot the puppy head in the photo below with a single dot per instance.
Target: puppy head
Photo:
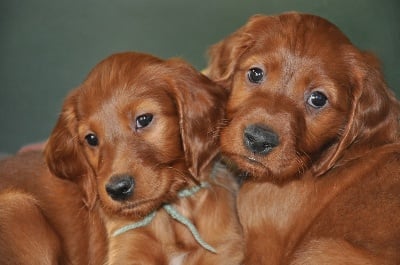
(302, 97)
(138, 130)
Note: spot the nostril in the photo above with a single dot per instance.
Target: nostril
(260, 139)
(120, 187)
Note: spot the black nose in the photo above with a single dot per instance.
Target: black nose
(120, 187)
(260, 139)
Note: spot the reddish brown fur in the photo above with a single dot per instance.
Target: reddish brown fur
(44, 219)
(65, 213)
(329, 192)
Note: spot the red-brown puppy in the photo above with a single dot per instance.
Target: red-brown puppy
(137, 132)
(315, 130)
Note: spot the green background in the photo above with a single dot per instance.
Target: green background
(47, 47)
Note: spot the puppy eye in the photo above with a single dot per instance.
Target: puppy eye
(317, 99)
(143, 120)
(92, 139)
(255, 75)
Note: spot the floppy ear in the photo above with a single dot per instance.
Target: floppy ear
(201, 105)
(374, 116)
(63, 152)
(224, 55)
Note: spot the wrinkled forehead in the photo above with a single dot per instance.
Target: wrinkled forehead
(299, 33)
(300, 46)
(115, 114)
(300, 41)
(120, 95)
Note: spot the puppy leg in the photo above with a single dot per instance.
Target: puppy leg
(25, 235)
(219, 226)
(263, 245)
(334, 252)
(136, 248)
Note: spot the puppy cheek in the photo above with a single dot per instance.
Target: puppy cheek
(322, 132)
(231, 139)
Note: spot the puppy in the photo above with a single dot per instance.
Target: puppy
(134, 144)
(314, 130)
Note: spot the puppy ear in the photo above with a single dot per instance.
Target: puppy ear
(63, 152)
(201, 105)
(375, 112)
(224, 55)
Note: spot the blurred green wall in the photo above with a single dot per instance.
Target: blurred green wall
(47, 47)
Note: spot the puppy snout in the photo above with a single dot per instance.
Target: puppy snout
(260, 139)
(120, 187)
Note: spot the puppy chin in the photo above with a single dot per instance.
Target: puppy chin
(134, 210)
(261, 169)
